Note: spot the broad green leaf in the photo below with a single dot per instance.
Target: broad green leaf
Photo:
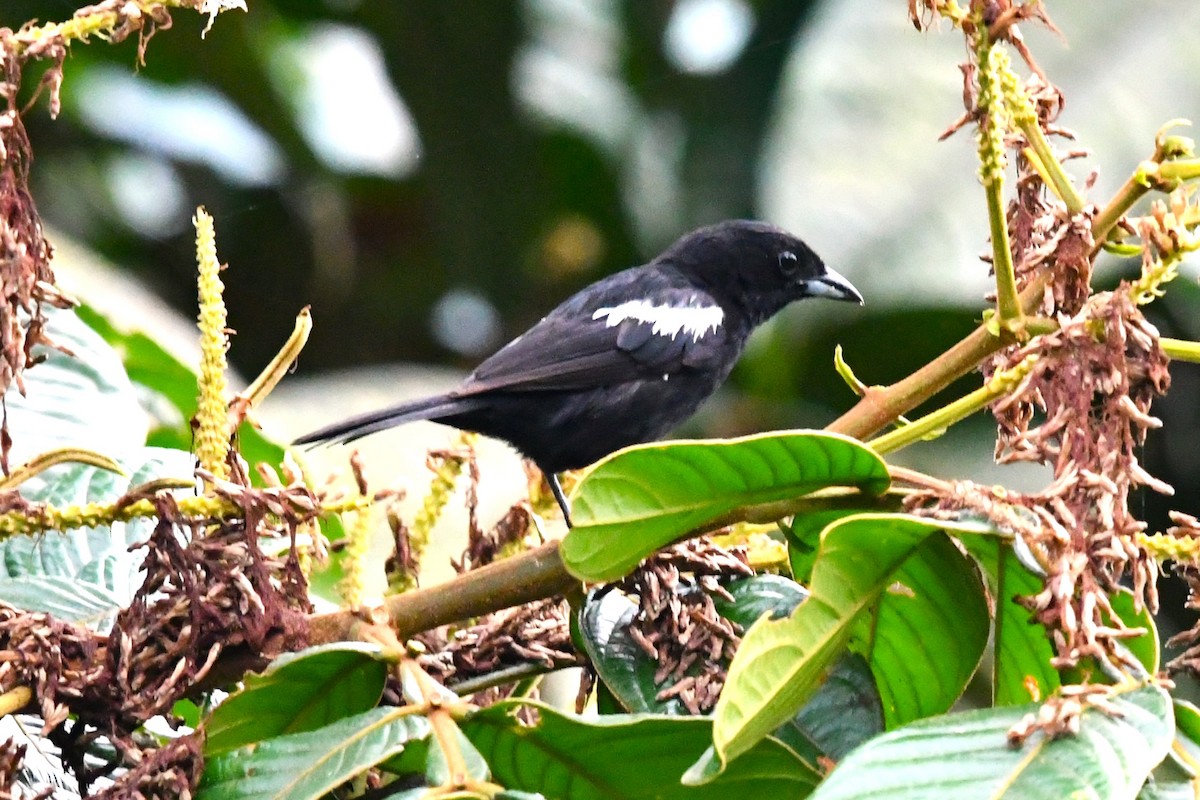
(305, 766)
(622, 666)
(169, 384)
(1023, 651)
(298, 692)
(644, 497)
(83, 400)
(845, 712)
(781, 662)
(67, 599)
(1185, 754)
(925, 637)
(85, 575)
(758, 595)
(624, 757)
(628, 671)
(803, 533)
(1167, 790)
(1021, 668)
(1187, 720)
(965, 756)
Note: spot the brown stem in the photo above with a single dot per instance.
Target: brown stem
(525, 577)
(881, 405)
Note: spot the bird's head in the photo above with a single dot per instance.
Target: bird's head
(756, 267)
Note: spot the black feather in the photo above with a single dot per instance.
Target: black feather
(628, 358)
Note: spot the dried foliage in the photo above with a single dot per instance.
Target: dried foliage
(26, 279)
(536, 633)
(677, 624)
(1061, 715)
(11, 788)
(170, 771)
(208, 590)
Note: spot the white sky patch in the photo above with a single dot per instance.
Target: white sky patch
(667, 320)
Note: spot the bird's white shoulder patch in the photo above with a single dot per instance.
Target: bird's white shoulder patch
(667, 320)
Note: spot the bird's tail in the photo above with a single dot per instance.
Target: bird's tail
(431, 408)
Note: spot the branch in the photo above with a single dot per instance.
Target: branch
(522, 578)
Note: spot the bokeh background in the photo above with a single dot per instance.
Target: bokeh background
(433, 176)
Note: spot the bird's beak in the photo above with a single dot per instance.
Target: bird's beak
(833, 286)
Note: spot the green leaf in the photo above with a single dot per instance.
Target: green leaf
(437, 769)
(305, 766)
(84, 575)
(624, 757)
(298, 692)
(170, 383)
(1021, 668)
(644, 497)
(1187, 719)
(803, 535)
(83, 400)
(845, 712)
(927, 633)
(781, 662)
(964, 756)
(758, 595)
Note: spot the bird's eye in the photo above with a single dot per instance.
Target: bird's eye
(788, 263)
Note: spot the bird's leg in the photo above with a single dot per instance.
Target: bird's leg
(556, 488)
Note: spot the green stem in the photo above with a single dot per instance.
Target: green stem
(1000, 385)
(1125, 198)
(880, 406)
(1181, 350)
(1012, 318)
(1184, 169)
(1051, 165)
(993, 122)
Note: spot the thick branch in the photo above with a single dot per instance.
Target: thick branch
(522, 578)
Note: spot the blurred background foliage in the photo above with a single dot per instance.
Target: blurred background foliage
(433, 176)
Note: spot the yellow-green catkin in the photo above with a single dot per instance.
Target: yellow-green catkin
(1174, 548)
(441, 489)
(354, 563)
(212, 417)
(993, 64)
(92, 515)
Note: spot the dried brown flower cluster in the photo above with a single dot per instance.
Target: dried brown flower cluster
(1094, 381)
(11, 787)
(1047, 239)
(26, 279)
(167, 772)
(204, 594)
(1062, 715)
(677, 623)
(1187, 529)
(1084, 409)
(535, 633)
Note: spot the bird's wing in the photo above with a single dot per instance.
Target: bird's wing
(605, 340)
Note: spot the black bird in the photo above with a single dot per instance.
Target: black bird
(628, 358)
